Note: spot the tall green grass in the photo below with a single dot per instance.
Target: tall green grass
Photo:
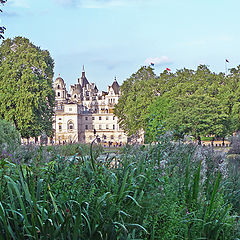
(155, 192)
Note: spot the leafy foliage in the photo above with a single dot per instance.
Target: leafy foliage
(137, 93)
(9, 137)
(199, 103)
(26, 94)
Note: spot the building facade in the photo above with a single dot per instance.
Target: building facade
(84, 112)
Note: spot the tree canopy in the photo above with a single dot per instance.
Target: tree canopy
(26, 94)
(197, 102)
(138, 92)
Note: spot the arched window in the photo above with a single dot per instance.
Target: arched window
(70, 125)
(58, 86)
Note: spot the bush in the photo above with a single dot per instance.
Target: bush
(9, 137)
(235, 145)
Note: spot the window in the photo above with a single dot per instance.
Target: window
(86, 127)
(113, 126)
(112, 137)
(106, 118)
(60, 119)
(70, 125)
(120, 137)
(86, 118)
(107, 126)
(60, 127)
(90, 137)
(58, 86)
(93, 118)
(100, 126)
(75, 96)
(100, 118)
(70, 109)
(113, 117)
(58, 94)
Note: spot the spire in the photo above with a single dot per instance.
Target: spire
(83, 72)
(115, 86)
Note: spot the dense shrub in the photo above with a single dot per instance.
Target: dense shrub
(165, 191)
(9, 137)
(235, 144)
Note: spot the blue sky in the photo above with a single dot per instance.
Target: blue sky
(116, 37)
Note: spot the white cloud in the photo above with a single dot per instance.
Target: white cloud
(158, 60)
(102, 4)
(67, 2)
(19, 3)
(98, 3)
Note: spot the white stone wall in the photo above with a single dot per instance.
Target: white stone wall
(67, 124)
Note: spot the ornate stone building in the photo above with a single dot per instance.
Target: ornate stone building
(85, 112)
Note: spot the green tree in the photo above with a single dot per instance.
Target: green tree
(156, 124)
(198, 115)
(137, 93)
(26, 94)
(231, 97)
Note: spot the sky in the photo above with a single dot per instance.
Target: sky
(114, 38)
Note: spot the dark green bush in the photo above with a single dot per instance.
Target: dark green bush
(9, 137)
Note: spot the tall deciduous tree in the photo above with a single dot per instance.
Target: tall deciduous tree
(26, 94)
(198, 115)
(137, 93)
(197, 102)
(156, 121)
